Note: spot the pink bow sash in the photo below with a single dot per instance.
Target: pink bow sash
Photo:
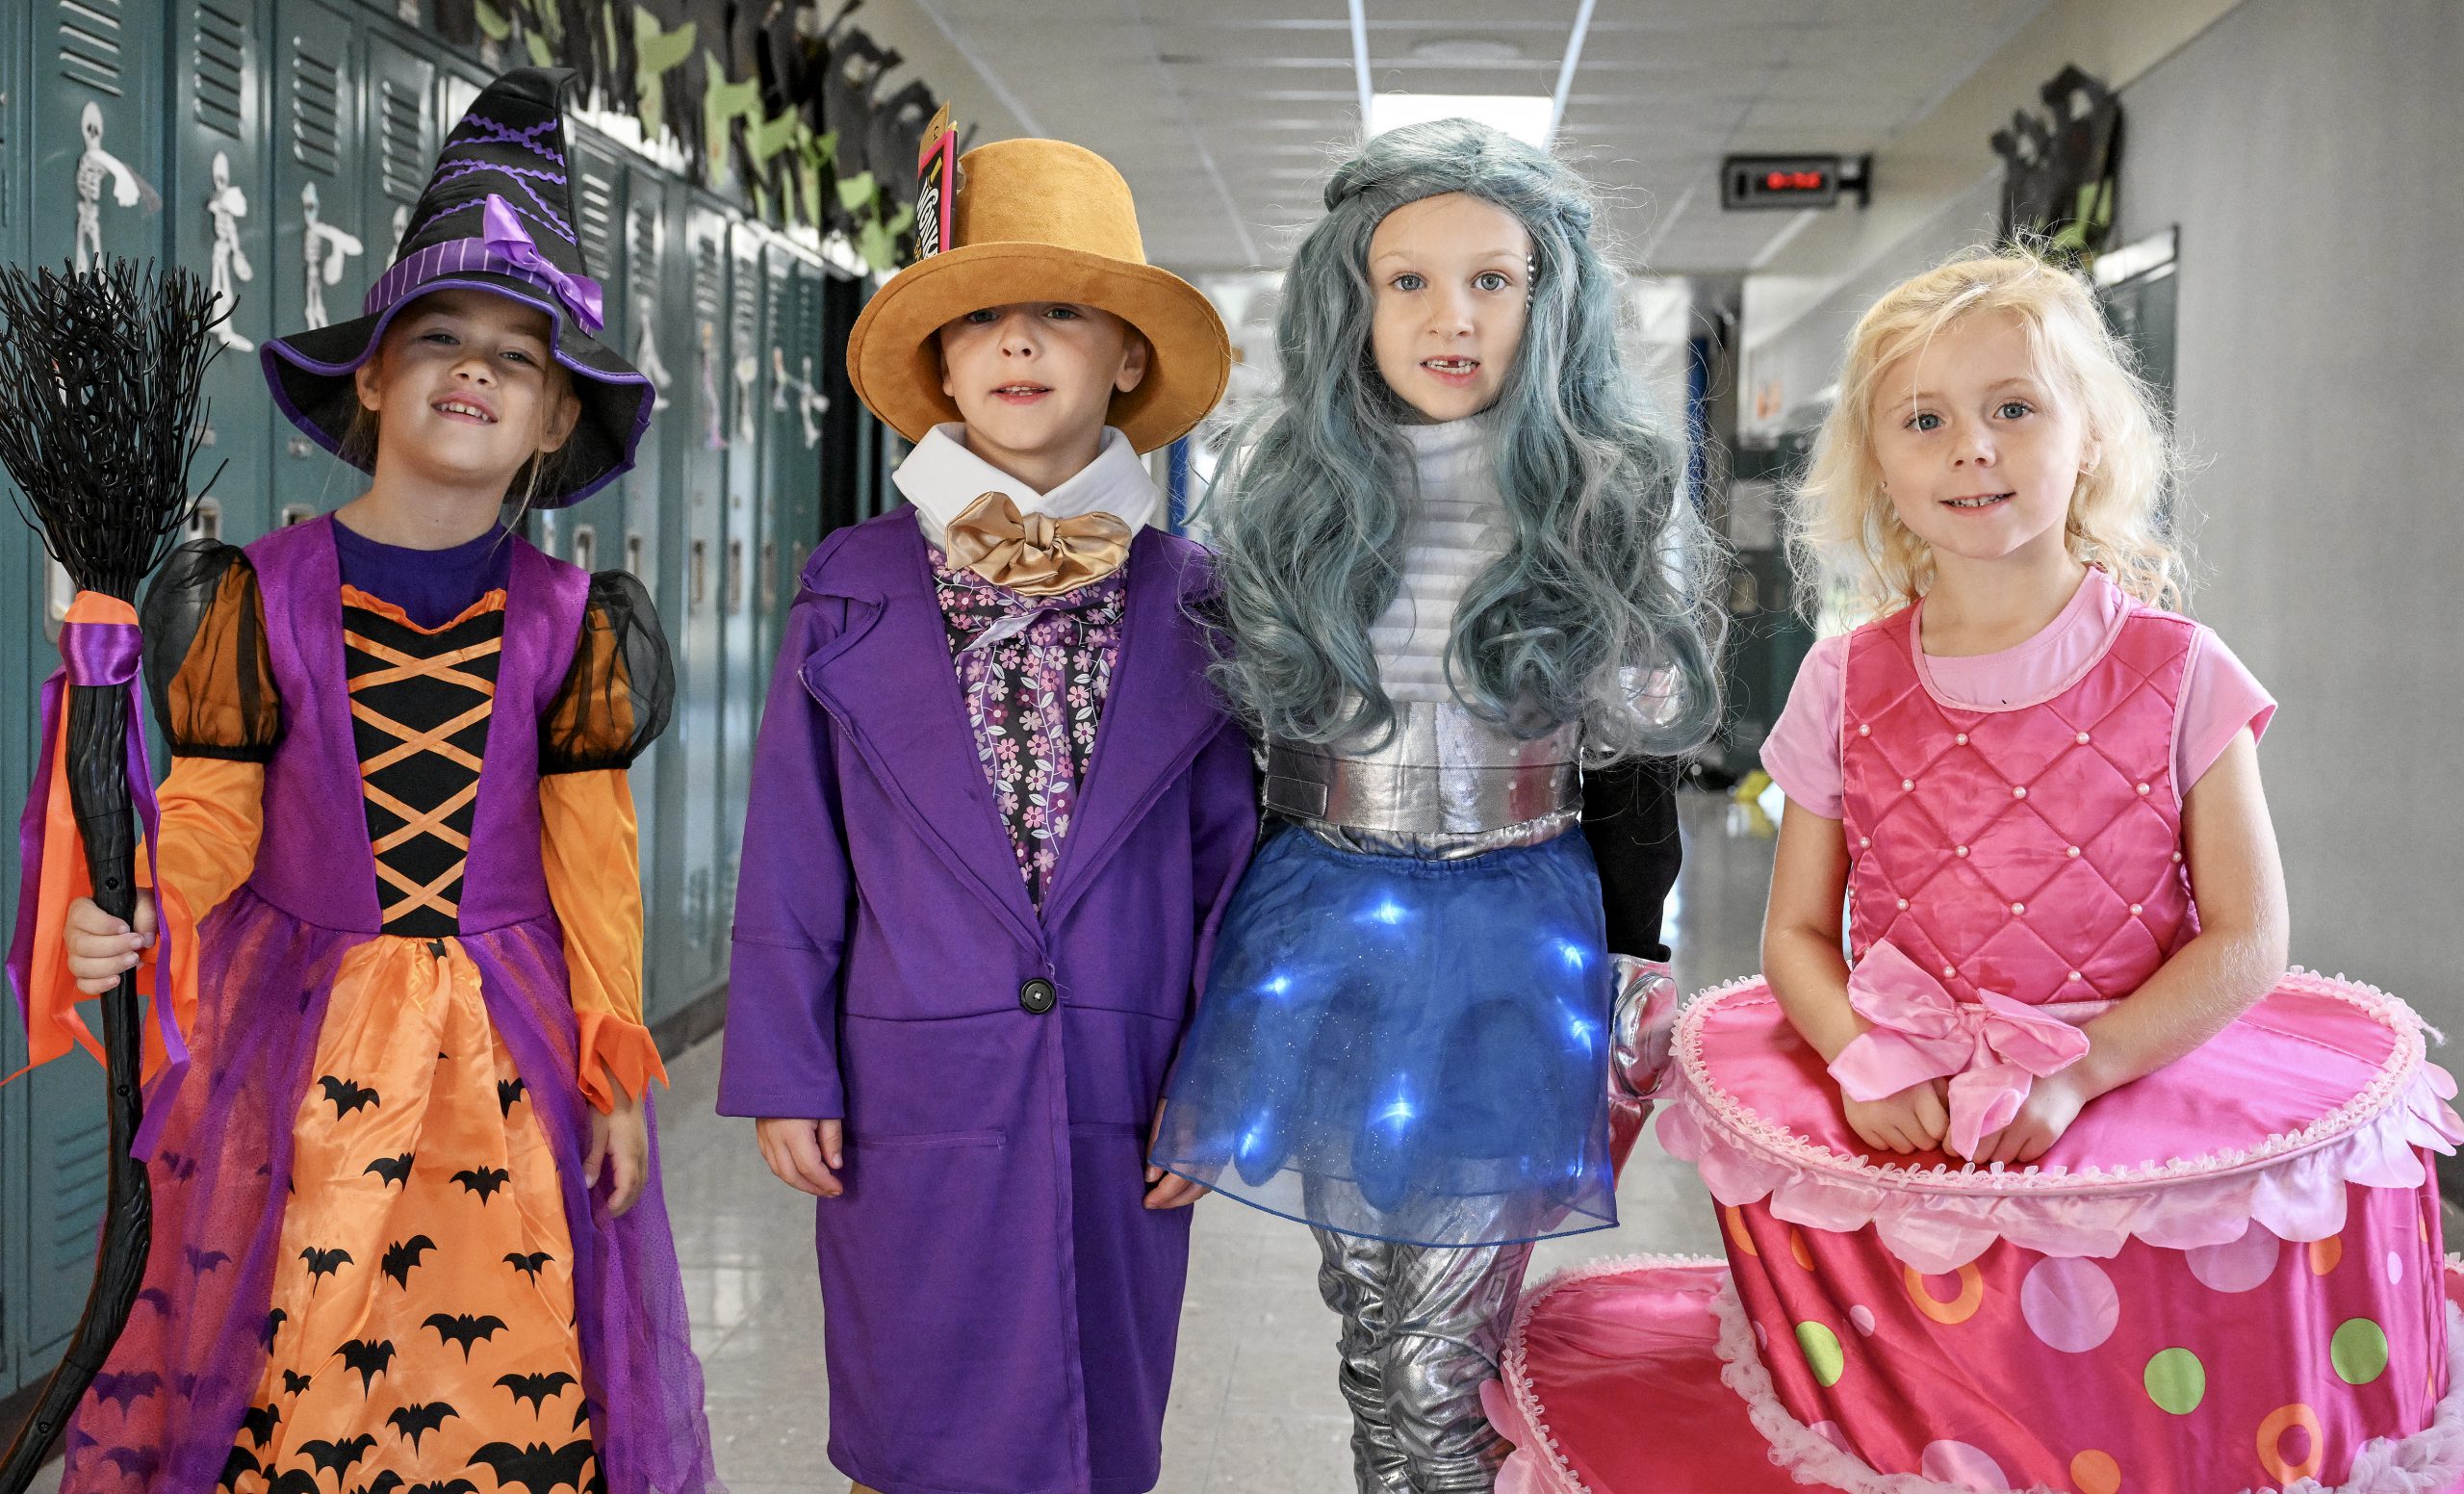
(501, 230)
(1994, 1047)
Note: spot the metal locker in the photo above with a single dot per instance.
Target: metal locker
(657, 313)
(796, 409)
(221, 215)
(21, 636)
(323, 253)
(85, 179)
(698, 532)
(403, 137)
(746, 526)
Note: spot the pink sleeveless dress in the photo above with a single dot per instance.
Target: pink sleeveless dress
(2226, 1277)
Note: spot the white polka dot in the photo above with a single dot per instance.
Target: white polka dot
(2069, 1303)
(2240, 1266)
(1862, 1318)
(1961, 1467)
(1761, 1340)
(2395, 1269)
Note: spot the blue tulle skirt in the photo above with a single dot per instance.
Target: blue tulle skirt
(1407, 1049)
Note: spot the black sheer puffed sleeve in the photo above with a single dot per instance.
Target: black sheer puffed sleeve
(615, 699)
(206, 663)
(1629, 817)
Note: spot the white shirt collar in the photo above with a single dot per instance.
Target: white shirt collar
(941, 477)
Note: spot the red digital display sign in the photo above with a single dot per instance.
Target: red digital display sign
(1787, 182)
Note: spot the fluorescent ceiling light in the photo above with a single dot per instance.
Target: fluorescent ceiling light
(1526, 118)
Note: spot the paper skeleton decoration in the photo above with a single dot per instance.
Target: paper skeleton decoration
(715, 437)
(810, 403)
(228, 261)
(94, 163)
(328, 250)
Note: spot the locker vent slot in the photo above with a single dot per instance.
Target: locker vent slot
(598, 208)
(221, 66)
(402, 149)
(708, 275)
(89, 44)
(79, 1181)
(641, 265)
(315, 110)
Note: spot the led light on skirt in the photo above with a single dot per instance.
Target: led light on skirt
(1405, 1049)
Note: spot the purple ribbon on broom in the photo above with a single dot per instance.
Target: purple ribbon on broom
(98, 654)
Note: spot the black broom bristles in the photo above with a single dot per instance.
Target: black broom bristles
(101, 411)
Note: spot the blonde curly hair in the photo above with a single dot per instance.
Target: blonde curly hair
(1850, 549)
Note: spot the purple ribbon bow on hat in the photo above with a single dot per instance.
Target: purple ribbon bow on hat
(1995, 1048)
(502, 231)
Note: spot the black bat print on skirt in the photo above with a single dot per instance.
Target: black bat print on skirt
(402, 1255)
(482, 1180)
(347, 1096)
(259, 1424)
(337, 1457)
(416, 1421)
(371, 1358)
(529, 1265)
(537, 1389)
(464, 1329)
(537, 1466)
(393, 1169)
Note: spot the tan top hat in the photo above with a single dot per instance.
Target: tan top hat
(1040, 220)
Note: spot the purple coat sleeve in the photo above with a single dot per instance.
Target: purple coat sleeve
(1224, 802)
(794, 901)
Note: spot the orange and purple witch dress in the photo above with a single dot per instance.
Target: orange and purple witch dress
(403, 850)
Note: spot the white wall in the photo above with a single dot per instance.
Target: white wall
(2307, 153)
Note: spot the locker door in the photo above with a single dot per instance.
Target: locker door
(97, 90)
(21, 639)
(698, 530)
(324, 254)
(781, 450)
(85, 154)
(404, 137)
(656, 313)
(222, 212)
(746, 521)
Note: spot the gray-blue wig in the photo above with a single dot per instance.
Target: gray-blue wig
(1599, 610)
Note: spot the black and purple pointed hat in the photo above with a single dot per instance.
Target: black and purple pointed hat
(497, 215)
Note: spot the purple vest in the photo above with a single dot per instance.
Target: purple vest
(314, 862)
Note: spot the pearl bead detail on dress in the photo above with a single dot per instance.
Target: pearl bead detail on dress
(1903, 905)
(1962, 850)
(1962, 739)
(1906, 784)
(1864, 730)
(2143, 789)
(2074, 975)
(2072, 852)
(2134, 910)
(2017, 909)
(1948, 972)
(2080, 738)
(2018, 790)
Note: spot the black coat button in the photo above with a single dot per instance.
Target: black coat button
(1037, 995)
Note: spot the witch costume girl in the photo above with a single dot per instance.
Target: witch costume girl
(376, 1257)
(996, 815)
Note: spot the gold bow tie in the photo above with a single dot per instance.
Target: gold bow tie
(1035, 554)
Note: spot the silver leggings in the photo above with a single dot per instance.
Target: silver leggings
(1421, 1327)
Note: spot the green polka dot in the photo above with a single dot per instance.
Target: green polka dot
(2177, 1381)
(1823, 1355)
(2358, 1351)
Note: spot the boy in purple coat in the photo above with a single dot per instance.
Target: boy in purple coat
(996, 813)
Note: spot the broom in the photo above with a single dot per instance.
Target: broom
(100, 415)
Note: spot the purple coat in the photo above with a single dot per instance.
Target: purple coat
(999, 1309)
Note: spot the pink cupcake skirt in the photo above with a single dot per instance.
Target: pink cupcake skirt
(2228, 1277)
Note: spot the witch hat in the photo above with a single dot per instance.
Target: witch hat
(497, 215)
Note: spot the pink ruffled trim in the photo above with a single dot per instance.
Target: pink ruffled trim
(1537, 1465)
(1939, 1220)
(2425, 1462)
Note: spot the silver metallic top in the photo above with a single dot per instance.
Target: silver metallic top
(1446, 783)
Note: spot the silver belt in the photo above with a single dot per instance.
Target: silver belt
(1444, 772)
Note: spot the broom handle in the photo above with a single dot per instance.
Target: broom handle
(98, 792)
